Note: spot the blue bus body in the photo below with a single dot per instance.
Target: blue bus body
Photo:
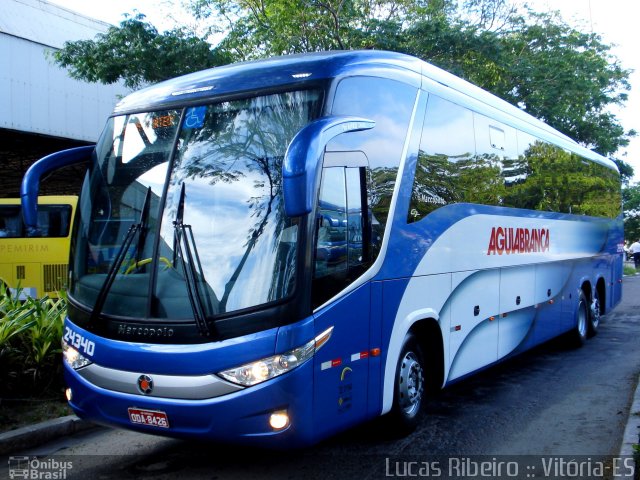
(473, 278)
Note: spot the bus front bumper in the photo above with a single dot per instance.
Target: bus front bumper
(242, 417)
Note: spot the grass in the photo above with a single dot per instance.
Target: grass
(629, 270)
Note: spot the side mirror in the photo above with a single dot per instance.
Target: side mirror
(302, 161)
(31, 181)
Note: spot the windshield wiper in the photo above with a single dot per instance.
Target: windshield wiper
(184, 245)
(138, 228)
(142, 226)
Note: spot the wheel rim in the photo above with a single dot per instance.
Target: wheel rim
(582, 320)
(595, 312)
(411, 384)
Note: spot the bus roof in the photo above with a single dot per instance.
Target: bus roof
(259, 75)
(303, 69)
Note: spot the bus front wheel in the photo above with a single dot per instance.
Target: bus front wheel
(409, 387)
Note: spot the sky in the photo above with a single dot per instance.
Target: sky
(615, 20)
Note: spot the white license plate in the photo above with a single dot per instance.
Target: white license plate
(153, 418)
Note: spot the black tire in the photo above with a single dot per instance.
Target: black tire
(409, 386)
(594, 314)
(578, 336)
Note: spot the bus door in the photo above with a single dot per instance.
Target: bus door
(342, 252)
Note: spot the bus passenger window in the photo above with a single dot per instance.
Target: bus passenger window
(11, 225)
(446, 156)
(43, 222)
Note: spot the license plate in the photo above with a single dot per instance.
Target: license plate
(153, 418)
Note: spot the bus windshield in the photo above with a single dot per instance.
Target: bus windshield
(183, 209)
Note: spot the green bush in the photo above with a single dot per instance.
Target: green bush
(30, 352)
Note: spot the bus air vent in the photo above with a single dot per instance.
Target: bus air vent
(20, 273)
(55, 277)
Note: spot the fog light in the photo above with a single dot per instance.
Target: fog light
(279, 420)
(68, 394)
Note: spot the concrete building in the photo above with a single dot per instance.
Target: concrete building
(42, 109)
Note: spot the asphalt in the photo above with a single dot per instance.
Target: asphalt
(34, 435)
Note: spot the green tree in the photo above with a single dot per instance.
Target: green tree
(533, 60)
(137, 53)
(258, 28)
(564, 77)
(626, 171)
(631, 207)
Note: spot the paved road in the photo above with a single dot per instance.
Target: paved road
(550, 401)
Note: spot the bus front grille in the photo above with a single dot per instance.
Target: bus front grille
(55, 277)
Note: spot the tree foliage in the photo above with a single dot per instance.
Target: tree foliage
(626, 171)
(257, 28)
(137, 53)
(631, 206)
(534, 60)
(566, 78)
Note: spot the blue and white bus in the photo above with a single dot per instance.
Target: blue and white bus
(272, 252)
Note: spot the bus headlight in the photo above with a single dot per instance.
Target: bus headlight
(267, 368)
(73, 357)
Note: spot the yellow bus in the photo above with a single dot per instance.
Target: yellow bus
(39, 264)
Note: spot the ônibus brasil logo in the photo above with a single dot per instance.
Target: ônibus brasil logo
(518, 240)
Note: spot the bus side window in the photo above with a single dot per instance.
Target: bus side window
(331, 243)
(12, 220)
(54, 220)
(44, 219)
(447, 153)
(355, 253)
(390, 104)
(342, 232)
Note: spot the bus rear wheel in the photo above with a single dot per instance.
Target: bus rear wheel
(594, 314)
(409, 387)
(579, 332)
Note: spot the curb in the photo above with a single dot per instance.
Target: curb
(34, 435)
(632, 431)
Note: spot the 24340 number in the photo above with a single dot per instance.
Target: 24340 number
(78, 342)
